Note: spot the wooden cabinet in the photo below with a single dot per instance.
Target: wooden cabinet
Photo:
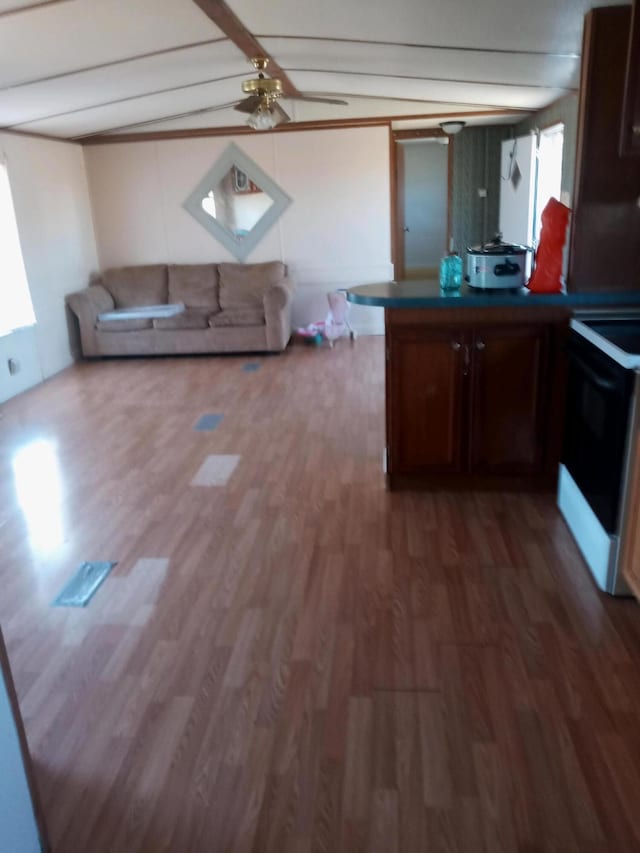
(630, 139)
(508, 381)
(426, 386)
(605, 249)
(470, 401)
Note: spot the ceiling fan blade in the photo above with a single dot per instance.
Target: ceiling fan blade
(248, 105)
(317, 100)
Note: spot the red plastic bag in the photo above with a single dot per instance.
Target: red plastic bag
(547, 274)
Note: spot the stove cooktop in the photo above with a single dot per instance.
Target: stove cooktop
(618, 337)
(624, 334)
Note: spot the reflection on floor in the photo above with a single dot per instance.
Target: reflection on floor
(216, 470)
(298, 660)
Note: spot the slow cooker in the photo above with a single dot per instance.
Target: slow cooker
(496, 265)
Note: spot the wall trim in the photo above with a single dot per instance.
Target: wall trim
(325, 124)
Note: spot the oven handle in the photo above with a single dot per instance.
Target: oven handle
(596, 378)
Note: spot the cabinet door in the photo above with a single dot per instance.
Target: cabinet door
(605, 250)
(426, 400)
(508, 399)
(630, 143)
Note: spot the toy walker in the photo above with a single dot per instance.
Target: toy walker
(336, 324)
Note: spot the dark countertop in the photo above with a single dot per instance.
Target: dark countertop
(427, 294)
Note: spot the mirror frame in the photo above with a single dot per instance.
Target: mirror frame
(240, 247)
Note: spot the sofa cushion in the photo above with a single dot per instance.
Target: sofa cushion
(196, 285)
(134, 286)
(191, 318)
(238, 317)
(244, 285)
(124, 325)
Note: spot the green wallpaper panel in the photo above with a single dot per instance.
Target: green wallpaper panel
(476, 164)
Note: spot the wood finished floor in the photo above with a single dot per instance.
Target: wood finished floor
(300, 661)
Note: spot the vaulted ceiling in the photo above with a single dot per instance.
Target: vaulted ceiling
(84, 68)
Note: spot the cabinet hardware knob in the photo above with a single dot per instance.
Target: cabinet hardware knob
(636, 130)
(480, 345)
(456, 345)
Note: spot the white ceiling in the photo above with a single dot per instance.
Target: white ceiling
(73, 68)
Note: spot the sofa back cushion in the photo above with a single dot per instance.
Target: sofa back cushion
(195, 285)
(135, 286)
(244, 285)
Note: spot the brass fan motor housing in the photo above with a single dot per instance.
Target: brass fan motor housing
(264, 87)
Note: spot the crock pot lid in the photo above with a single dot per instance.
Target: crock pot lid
(497, 247)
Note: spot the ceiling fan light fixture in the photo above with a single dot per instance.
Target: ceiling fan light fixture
(264, 118)
(269, 87)
(452, 127)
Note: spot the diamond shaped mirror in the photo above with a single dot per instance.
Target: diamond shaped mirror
(237, 202)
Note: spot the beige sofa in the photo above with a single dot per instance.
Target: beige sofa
(222, 308)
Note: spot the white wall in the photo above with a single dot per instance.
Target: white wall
(21, 346)
(51, 199)
(18, 828)
(335, 233)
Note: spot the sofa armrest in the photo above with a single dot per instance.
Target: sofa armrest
(86, 305)
(277, 313)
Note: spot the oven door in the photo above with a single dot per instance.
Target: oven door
(598, 398)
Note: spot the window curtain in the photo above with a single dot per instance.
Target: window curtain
(16, 308)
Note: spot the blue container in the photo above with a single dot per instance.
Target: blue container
(451, 272)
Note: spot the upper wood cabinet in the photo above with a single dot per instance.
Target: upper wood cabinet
(605, 249)
(630, 136)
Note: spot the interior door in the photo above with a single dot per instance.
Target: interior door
(422, 202)
(517, 190)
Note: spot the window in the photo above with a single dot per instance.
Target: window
(16, 309)
(549, 178)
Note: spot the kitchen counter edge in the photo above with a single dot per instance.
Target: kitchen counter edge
(428, 295)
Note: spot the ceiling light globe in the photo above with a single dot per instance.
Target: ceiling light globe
(452, 127)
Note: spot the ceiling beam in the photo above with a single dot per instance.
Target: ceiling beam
(31, 7)
(467, 82)
(418, 46)
(235, 30)
(65, 140)
(124, 100)
(88, 68)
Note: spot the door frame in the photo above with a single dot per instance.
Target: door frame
(27, 761)
(397, 190)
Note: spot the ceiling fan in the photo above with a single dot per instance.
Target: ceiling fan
(263, 93)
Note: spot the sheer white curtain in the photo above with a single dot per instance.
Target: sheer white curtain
(16, 309)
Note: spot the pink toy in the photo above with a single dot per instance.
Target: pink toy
(337, 324)
(313, 333)
(334, 326)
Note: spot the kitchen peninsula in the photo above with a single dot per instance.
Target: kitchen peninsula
(475, 382)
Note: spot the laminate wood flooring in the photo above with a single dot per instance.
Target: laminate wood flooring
(298, 661)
